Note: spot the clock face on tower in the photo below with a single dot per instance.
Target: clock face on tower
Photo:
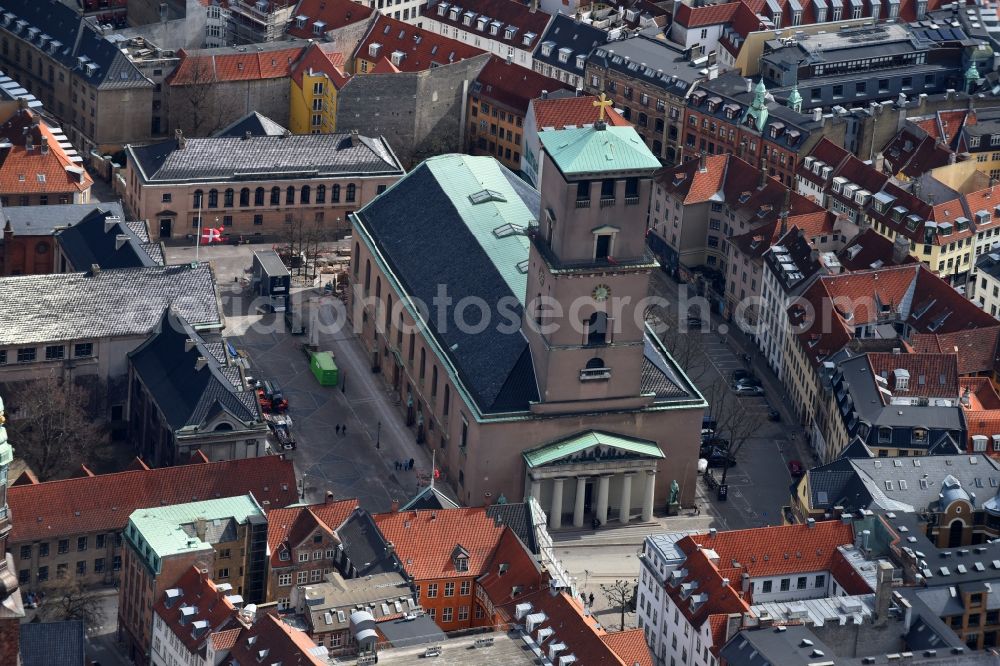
(601, 292)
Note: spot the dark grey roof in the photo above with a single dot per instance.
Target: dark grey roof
(94, 240)
(44, 220)
(271, 262)
(665, 65)
(837, 484)
(794, 645)
(78, 38)
(113, 303)
(407, 633)
(365, 546)
(564, 32)
(430, 497)
(53, 644)
(186, 394)
(409, 238)
(256, 123)
(989, 265)
(295, 156)
(914, 483)
(517, 517)
(857, 449)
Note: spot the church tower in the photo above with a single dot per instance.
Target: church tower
(11, 607)
(589, 268)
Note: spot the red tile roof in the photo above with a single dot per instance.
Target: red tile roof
(977, 348)
(422, 49)
(511, 573)
(630, 646)
(103, 503)
(24, 171)
(322, 59)
(507, 12)
(426, 540)
(872, 247)
(284, 644)
(201, 593)
(333, 13)
(774, 551)
(226, 639)
(572, 112)
(383, 66)
(291, 525)
(694, 185)
(698, 17)
(982, 393)
(513, 86)
(227, 64)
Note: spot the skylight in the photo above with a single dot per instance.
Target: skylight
(484, 196)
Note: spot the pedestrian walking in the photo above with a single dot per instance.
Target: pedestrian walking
(411, 464)
(343, 430)
(338, 428)
(591, 598)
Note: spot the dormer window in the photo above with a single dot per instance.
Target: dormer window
(460, 558)
(564, 55)
(509, 32)
(454, 13)
(442, 9)
(581, 61)
(467, 19)
(494, 29)
(973, 141)
(547, 49)
(481, 23)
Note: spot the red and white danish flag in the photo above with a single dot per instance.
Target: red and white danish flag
(210, 235)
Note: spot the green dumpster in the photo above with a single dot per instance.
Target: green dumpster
(324, 369)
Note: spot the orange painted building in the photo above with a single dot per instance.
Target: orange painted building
(445, 552)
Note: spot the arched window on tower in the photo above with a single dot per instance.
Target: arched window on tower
(597, 329)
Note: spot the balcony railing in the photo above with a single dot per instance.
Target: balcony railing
(631, 201)
(595, 374)
(607, 201)
(583, 203)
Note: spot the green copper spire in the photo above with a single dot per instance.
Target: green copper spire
(971, 77)
(758, 108)
(795, 100)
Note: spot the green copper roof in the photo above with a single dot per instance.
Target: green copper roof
(159, 532)
(585, 150)
(491, 209)
(543, 455)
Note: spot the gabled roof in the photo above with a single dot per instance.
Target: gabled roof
(698, 17)
(283, 644)
(270, 60)
(283, 523)
(187, 382)
(257, 124)
(104, 502)
(73, 306)
(978, 348)
(561, 112)
(511, 573)
(425, 540)
(421, 49)
(588, 150)
(430, 497)
(53, 643)
(45, 220)
(206, 609)
(34, 170)
(322, 16)
(108, 241)
(323, 58)
(565, 40)
(511, 85)
(570, 446)
(939, 370)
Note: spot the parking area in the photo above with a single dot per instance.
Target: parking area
(758, 484)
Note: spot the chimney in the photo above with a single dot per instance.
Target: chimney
(817, 114)
(45, 145)
(199, 523)
(120, 240)
(328, 499)
(95, 269)
(355, 140)
(702, 162)
(29, 140)
(763, 173)
(188, 345)
(179, 138)
(883, 593)
(750, 86)
(545, 94)
(880, 162)
(907, 611)
(200, 363)
(733, 623)
(395, 505)
(712, 532)
(533, 6)
(247, 135)
(810, 523)
(900, 249)
(745, 584)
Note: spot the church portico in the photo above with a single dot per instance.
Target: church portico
(578, 478)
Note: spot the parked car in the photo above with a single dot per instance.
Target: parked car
(739, 375)
(747, 390)
(752, 380)
(707, 433)
(773, 414)
(796, 468)
(708, 423)
(709, 445)
(717, 458)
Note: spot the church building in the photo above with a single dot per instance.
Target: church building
(511, 324)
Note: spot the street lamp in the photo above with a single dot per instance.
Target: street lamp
(378, 436)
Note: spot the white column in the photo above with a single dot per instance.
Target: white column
(602, 498)
(555, 514)
(581, 493)
(647, 503)
(626, 503)
(536, 489)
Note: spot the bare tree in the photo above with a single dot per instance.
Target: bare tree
(733, 420)
(52, 425)
(621, 593)
(686, 347)
(68, 600)
(197, 98)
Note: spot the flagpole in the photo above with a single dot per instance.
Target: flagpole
(197, 239)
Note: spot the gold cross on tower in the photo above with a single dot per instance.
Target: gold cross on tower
(603, 103)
